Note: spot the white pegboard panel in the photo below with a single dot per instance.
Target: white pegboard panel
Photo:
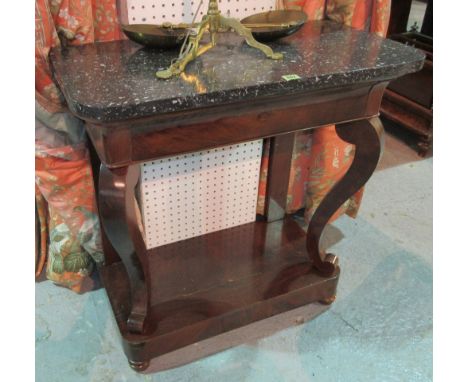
(177, 11)
(195, 194)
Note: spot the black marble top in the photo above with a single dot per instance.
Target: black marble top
(113, 81)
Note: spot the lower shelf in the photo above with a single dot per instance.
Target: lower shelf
(212, 284)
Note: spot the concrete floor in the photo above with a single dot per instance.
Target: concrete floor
(379, 328)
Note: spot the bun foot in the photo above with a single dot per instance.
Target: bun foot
(328, 301)
(139, 366)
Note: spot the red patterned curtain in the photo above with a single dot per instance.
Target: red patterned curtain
(64, 186)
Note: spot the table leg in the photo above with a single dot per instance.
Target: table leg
(279, 169)
(117, 209)
(367, 136)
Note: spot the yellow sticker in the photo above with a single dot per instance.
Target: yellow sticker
(290, 77)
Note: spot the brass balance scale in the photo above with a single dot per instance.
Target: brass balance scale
(266, 26)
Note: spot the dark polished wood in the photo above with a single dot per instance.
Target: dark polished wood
(172, 296)
(248, 334)
(218, 282)
(279, 169)
(119, 220)
(408, 99)
(139, 140)
(366, 136)
(412, 117)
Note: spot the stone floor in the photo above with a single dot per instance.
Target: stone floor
(379, 328)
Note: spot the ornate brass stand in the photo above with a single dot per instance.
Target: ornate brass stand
(213, 22)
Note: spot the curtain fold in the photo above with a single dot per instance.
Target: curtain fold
(65, 193)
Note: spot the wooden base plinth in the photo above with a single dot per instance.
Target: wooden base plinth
(246, 335)
(212, 284)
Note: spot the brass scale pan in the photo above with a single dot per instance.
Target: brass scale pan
(266, 26)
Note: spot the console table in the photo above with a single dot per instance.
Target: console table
(175, 295)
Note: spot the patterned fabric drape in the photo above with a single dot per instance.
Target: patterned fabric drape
(64, 187)
(77, 22)
(320, 157)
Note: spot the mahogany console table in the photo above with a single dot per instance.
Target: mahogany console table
(172, 296)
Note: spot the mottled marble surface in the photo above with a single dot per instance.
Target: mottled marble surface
(113, 81)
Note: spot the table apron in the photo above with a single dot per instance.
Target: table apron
(141, 140)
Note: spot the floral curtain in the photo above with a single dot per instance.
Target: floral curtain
(64, 184)
(65, 193)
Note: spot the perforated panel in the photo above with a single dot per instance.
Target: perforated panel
(176, 11)
(195, 194)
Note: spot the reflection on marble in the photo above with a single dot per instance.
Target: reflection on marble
(116, 80)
